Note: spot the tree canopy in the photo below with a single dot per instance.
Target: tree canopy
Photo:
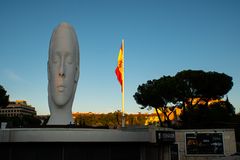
(205, 86)
(4, 98)
(187, 89)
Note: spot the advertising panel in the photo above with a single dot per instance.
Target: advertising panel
(204, 143)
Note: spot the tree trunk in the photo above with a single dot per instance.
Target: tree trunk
(160, 121)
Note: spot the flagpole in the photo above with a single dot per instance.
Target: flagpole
(123, 87)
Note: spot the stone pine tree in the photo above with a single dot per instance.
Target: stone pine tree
(4, 98)
(157, 94)
(147, 96)
(198, 89)
(193, 90)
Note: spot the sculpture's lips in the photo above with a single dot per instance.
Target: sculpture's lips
(60, 88)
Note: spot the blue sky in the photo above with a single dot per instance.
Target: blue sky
(161, 38)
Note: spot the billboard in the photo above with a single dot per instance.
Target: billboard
(204, 143)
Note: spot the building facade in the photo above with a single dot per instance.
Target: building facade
(18, 108)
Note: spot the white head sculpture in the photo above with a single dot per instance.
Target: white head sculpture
(63, 74)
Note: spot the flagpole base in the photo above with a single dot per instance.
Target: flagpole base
(123, 121)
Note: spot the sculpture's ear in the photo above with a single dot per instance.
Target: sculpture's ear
(76, 74)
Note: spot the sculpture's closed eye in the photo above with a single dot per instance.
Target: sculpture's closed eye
(69, 59)
(55, 58)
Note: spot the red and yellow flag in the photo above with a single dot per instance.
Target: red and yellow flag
(120, 66)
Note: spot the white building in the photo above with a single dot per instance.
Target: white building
(18, 108)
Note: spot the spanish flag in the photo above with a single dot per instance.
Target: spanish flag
(120, 66)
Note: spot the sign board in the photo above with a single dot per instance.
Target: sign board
(165, 136)
(204, 143)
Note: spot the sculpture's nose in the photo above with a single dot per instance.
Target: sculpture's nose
(61, 69)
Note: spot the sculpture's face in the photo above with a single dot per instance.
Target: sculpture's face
(62, 67)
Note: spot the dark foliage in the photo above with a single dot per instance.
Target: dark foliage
(216, 115)
(21, 121)
(4, 98)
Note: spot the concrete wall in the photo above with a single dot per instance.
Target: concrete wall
(107, 144)
(78, 143)
(73, 135)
